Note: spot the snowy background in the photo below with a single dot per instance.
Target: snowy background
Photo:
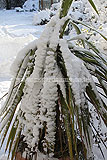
(19, 28)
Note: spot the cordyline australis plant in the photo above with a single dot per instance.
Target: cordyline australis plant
(47, 111)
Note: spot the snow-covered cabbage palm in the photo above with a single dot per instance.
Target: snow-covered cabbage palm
(47, 110)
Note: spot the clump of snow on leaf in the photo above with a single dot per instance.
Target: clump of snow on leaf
(22, 53)
(77, 72)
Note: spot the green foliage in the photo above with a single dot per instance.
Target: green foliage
(66, 4)
(93, 5)
(65, 7)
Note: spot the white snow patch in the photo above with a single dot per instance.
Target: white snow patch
(41, 16)
(31, 5)
(3, 157)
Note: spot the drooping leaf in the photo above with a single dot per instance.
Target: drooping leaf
(93, 5)
(88, 26)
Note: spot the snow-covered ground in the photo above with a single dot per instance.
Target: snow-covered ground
(16, 30)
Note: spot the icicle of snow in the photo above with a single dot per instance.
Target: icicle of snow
(49, 97)
(31, 122)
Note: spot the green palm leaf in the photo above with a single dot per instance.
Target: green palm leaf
(93, 5)
(88, 26)
(65, 7)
